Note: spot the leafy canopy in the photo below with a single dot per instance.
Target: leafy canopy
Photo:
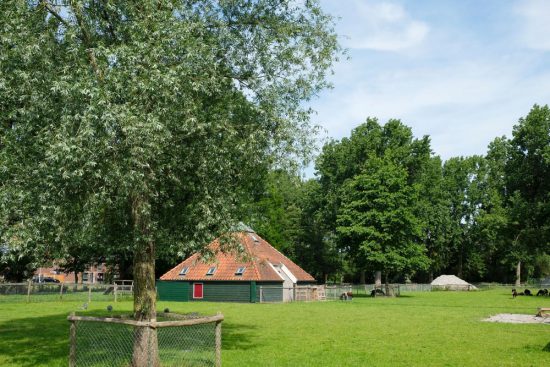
(128, 122)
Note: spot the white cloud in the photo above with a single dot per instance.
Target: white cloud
(534, 25)
(467, 83)
(462, 106)
(380, 25)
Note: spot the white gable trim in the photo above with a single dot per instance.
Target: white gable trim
(288, 273)
(276, 271)
(285, 270)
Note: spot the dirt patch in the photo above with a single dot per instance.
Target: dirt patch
(512, 318)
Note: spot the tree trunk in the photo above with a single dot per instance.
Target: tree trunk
(362, 277)
(518, 274)
(378, 279)
(431, 276)
(387, 285)
(145, 352)
(326, 278)
(459, 272)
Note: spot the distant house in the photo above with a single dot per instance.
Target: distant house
(229, 278)
(92, 274)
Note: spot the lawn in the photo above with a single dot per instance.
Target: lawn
(417, 329)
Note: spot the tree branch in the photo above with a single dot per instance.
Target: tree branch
(86, 38)
(49, 7)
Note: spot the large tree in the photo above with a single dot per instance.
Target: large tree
(377, 223)
(343, 162)
(276, 211)
(149, 117)
(528, 188)
(432, 209)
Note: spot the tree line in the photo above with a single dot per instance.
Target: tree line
(137, 132)
(382, 201)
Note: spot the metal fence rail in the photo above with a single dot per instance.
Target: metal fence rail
(55, 292)
(305, 293)
(171, 340)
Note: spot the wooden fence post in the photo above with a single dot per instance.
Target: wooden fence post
(218, 343)
(61, 291)
(29, 287)
(115, 291)
(261, 294)
(72, 342)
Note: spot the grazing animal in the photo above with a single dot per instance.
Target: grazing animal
(542, 292)
(346, 296)
(528, 292)
(376, 292)
(514, 293)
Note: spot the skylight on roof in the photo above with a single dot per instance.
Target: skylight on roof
(254, 238)
(211, 271)
(240, 271)
(184, 270)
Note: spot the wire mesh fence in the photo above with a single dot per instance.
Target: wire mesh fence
(171, 340)
(334, 292)
(55, 292)
(305, 293)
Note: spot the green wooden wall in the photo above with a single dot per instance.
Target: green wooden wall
(226, 291)
(170, 290)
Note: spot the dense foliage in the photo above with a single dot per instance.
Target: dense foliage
(382, 201)
(137, 127)
(131, 131)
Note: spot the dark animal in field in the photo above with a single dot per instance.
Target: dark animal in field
(527, 292)
(377, 292)
(345, 296)
(542, 292)
(514, 293)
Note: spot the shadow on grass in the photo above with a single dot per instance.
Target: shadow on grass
(368, 296)
(44, 341)
(34, 341)
(238, 336)
(546, 348)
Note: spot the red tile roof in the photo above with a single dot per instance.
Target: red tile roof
(259, 254)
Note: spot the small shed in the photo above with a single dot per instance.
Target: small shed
(230, 278)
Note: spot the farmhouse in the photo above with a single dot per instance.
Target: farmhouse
(260, 271)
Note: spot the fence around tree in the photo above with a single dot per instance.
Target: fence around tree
(177, 340)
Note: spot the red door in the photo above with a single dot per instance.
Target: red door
(197, 290)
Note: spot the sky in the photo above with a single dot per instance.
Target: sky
(462, 72)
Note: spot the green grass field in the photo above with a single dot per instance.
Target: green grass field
(417, 329)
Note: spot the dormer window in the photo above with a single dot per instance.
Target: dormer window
(240, 271)
(184, 270)
(211, 271)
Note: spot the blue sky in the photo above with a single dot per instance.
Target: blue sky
(460, 71)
